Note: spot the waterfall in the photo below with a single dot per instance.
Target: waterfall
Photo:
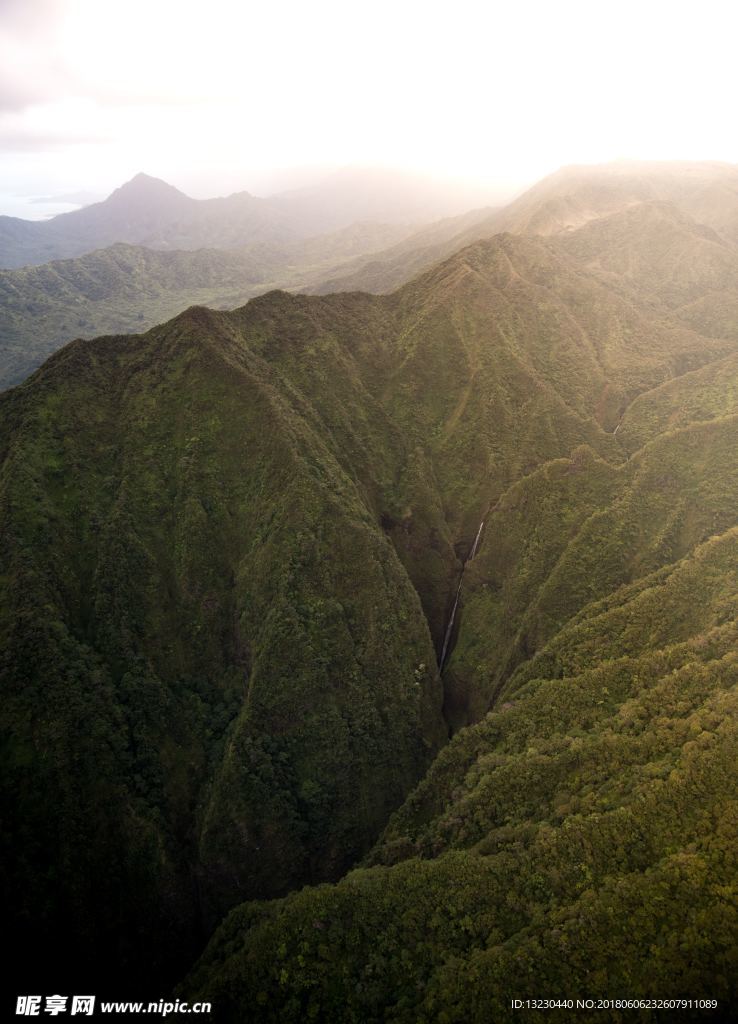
(450, 627)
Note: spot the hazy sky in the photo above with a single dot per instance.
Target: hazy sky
(213, 95)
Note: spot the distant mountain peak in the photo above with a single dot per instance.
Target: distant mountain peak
(144, 186)
(143, 180)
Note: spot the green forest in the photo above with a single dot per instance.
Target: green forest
(233, 766)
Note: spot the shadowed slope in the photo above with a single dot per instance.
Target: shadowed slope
(229, 548)
(590, 817)
(217, 673)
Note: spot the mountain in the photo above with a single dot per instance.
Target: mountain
(573, 196)
(380, 649)
(147, 211)
(120, 289)
(660, 256)
(705, 193)
(583, 831)
(387, 268)
(624, 203)
(247, 725)
(127, 288)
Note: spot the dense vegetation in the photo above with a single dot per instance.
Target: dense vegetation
(583, 836)
(127, 289)
(580, 840)
(217, 674)
(230, 547)
(681, 267)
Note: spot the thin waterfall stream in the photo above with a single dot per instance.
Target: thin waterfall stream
(450, 627)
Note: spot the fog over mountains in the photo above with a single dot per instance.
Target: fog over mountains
(363, 230)
(150, 251)
(233, 766)
(147, 211)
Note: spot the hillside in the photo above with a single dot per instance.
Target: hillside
(583, 835)
(191, 573)
(648, 229)
(705, 194)
(661, 257)
(127, 289)
(576, 195)
(232, 548)
(388, 268)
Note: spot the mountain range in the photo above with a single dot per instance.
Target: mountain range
(126, 288)
(148, 211)
(372, 657)
(357, 240)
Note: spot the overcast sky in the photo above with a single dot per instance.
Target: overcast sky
(215, 95)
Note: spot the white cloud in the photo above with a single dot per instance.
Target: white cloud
(480, 89)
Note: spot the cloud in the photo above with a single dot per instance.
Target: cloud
(25, 83)
(500, 91)
(31, 70)
(29, 15)
(56, 50)
(77, 198)
(19, 140)
(14, 93)
(46, 126)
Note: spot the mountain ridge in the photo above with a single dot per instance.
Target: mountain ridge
(327, 264)
(148, 211)
(231, 547)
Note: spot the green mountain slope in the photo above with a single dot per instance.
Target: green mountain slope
(703, 194)
(704, 395)
(217, 673)
(126, 289)
(663, 258)
(580, 840)
(230, 551)
(641, 226)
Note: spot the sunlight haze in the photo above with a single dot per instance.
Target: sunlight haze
(223, 96)
(369, 511)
